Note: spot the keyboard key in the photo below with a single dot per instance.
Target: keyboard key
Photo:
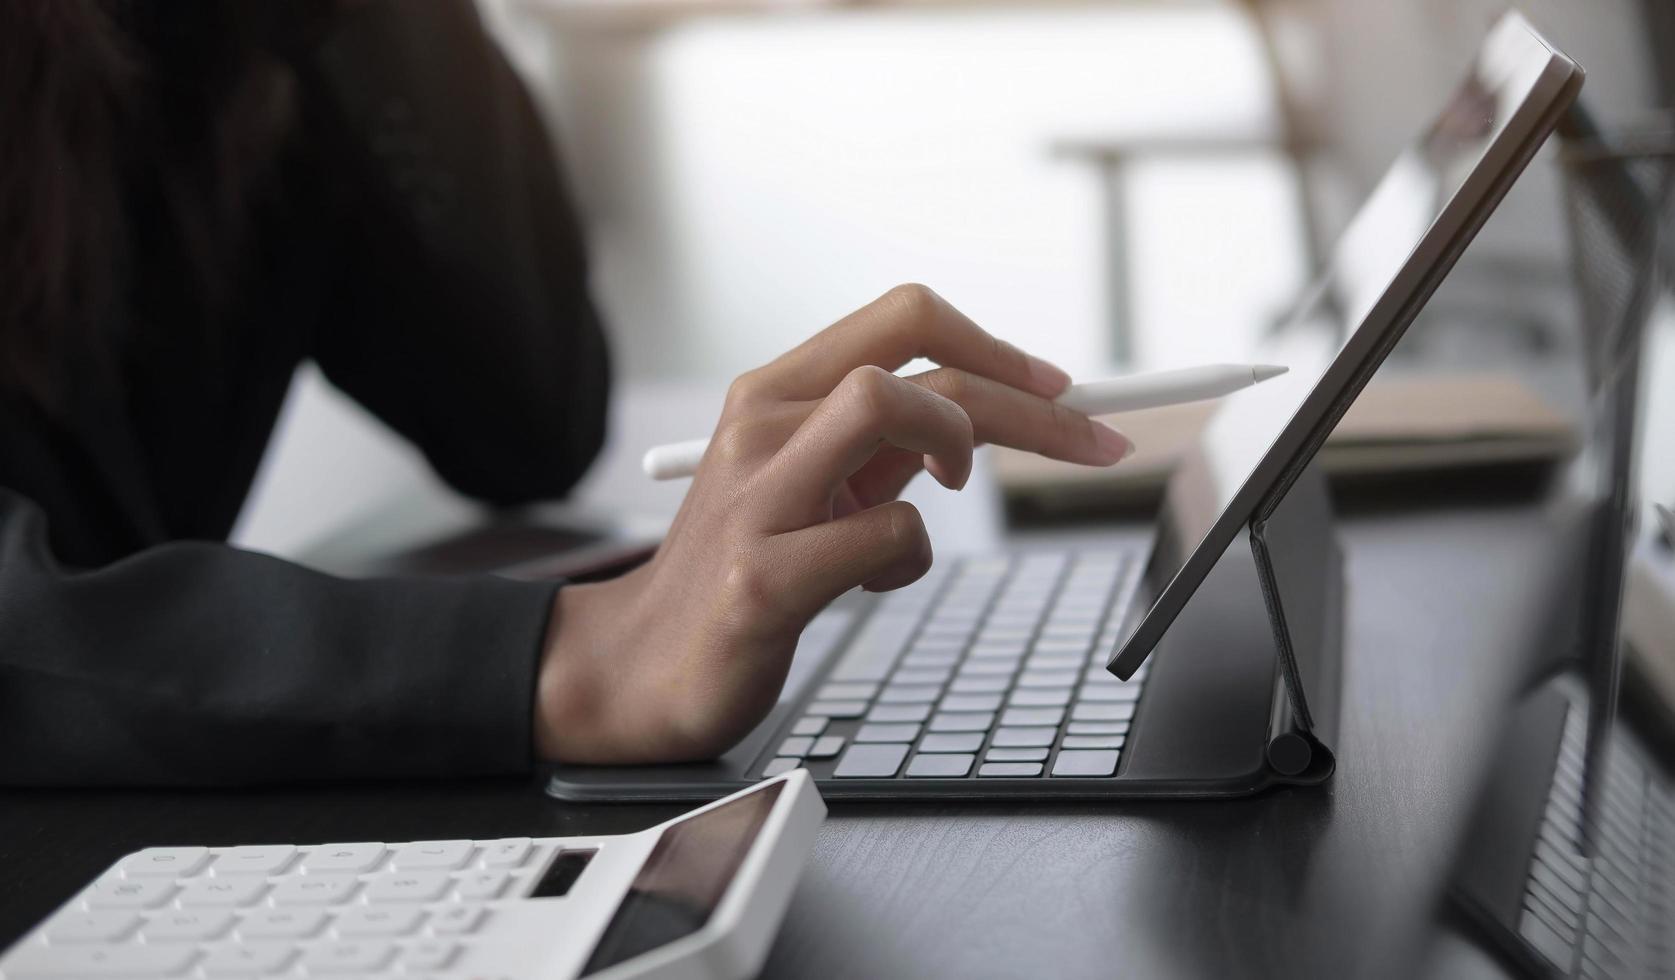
(930, 659)
(951, 743)
(137, 893)
(1110, 692)
(987, 668)
(838, 709)
(922, 675)
(99, 961)
(92, 927)
(1032, 716)
(852, 691)
(1023, 738)
(992, 769)
(970, 702)
(1016, 755)
(424, 854)
(480, 886)
(979, 685)
(1040, 697)
(909, 693)
(1053, 662)
(796, 746)
(1098, 728)
(963, 721)
(222, 892)
(456, 920)
(258, 859)
(1085, 763)
(313, 891)
(1047, 678)
(1102, 712)
(810, 725)
(175, 862)
(281, 923)
(433, 955)
(248, 960)
(184, 926)
(348, 957)
(944, 766)
(873, 651)
(826, 746)
(1092, 742)
(777, 766)
(887, 733)
(899, 712)
(1011, 649)
(345, 858)
(371, 920)
(876, 760)
(421, 886)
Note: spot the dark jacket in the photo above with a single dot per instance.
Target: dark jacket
(418, 245)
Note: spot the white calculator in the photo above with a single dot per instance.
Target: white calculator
(699, 896)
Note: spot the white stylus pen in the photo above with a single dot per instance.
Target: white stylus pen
(1126, 394)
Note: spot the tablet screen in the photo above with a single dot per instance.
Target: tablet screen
(1401, 242)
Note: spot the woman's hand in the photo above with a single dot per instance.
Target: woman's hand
(793, 505)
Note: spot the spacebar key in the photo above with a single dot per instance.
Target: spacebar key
(99, 961)
(870, 759)
(875, 648)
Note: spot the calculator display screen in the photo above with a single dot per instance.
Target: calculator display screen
(684, 879)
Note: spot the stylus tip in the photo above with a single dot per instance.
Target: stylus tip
(1262, 372)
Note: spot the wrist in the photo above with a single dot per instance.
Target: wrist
(572, 686)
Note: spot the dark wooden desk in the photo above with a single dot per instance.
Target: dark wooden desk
(1322, 882)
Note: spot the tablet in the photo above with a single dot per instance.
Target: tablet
(1389, 260)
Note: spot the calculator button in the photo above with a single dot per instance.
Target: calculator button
(778, 766)
(347, 957)
(173, 927)
(871, 760)
(98, 961)
(455, 920)
(347, 858)
(1083, 763)
(445, 854)
(313, 891)
(968, 742)
(92, 927)
(433, 955)
(423, 886)
(481, 885)
(1009, 769)
(281, 923)
(826, 746)
(175, 862)
(249, 960)
(222, 892)
(508, 852)
(267, 859)
(371, 920)
(137, 893)
(947, 765)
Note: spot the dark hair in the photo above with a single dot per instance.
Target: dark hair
(105, 102)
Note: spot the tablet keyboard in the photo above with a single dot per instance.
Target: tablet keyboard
(993, 668)
(279, 910)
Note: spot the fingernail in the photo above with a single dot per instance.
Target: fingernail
(1113, 445)
(1049, 379)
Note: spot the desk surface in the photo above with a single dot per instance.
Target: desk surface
(1313, 882)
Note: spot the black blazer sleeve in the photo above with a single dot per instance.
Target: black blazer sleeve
(461, 313)
(197, 663)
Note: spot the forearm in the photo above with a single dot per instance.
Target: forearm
(201, 664)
